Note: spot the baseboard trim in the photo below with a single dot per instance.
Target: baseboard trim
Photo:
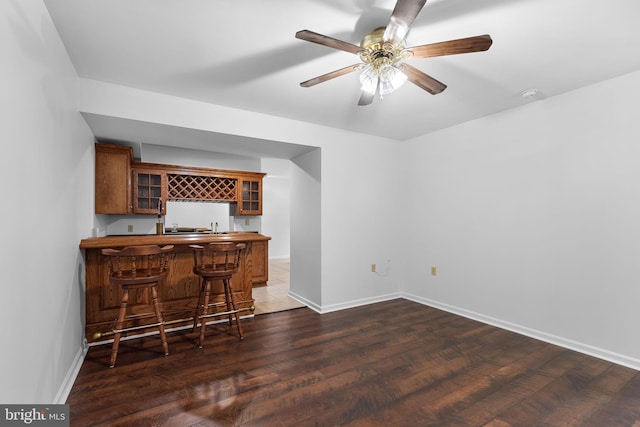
(70, 377)
(302, 300)
(359, 302)
(344, 305)
(619, 359)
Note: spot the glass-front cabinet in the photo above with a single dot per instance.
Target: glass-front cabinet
(250, 197)
(149, 191)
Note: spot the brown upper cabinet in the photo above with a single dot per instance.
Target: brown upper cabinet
(113, 179)
(127, 187)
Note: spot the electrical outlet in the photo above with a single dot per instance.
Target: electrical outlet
(130, 228)
(247, 222)
(373, 268)
(434, 270)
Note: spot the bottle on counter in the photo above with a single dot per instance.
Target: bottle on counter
(160, 223)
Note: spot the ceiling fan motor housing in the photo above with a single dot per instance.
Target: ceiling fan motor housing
(377, 52)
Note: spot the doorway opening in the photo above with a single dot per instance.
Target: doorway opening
(275, 296)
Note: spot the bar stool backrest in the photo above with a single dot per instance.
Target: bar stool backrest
(216, 259)
(138, 264)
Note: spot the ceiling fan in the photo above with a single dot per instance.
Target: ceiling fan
(383, 50)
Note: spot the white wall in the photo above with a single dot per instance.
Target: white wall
(532, 218)
(306, 229)
(276, 210)
(362, 222)
(47, 174)
(345, 216)
(151, 153)
(211, 215)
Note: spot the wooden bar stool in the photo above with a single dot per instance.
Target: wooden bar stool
(216, 261)
(137, 267)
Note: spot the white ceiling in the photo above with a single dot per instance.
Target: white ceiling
(243, 54)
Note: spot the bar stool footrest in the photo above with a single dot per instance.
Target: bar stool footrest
(137, 328)
(222, 313)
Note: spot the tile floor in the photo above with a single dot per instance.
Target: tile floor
(273, 297)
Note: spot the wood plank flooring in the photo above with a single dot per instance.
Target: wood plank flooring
(395, 363)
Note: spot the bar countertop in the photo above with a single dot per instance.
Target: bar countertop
(169, 239)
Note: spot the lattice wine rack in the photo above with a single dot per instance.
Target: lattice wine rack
(196, 187)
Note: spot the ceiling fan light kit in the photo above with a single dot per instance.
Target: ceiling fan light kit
(383, 50)
(381, 72)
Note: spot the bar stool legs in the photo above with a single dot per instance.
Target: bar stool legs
(216, 261)
(230, 298)
(202, 310)
(200, 305)
(156, 306)
(122, 315)
(205, 308)
(118, 328)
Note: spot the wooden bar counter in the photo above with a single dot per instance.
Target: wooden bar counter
(178, 292)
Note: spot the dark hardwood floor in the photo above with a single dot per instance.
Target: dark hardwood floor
(395, 363)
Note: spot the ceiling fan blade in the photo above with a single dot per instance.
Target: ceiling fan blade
(367, 97)
(310, 36)
(452, 47)
(403, 15)
(332, 75)
(422, 80)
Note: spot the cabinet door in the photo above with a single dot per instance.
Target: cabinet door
(149, 188)
(250, 197)
(259, 263)
(112, 179)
